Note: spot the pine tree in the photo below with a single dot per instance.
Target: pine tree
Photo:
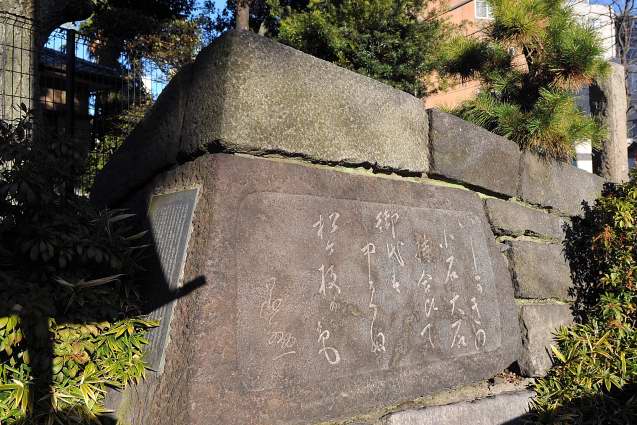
(534, 56)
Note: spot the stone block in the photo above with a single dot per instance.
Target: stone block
(609, 103)
(250, 94)
(556, 185)
(502, 409)
(152, 146)
(539, 270)
(511, 219)
(265, 97)
(538, 323)
(464, 152)
(328, 295)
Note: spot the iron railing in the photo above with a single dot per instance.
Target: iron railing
(74, 94)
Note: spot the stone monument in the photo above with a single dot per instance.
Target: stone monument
(327, 293)
(330, 291)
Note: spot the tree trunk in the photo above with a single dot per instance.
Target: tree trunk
(243, 15)
(609, 103)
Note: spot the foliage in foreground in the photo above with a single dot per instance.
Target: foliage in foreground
(594, 380)
(69, 317)
(534, 56)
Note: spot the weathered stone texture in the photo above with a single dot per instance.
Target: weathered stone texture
(511, 219)
(560, 186)
(538, 323)
(250, 94)
(503, 409)
(467, 153)
(272, 98)
(539, 270)
(287, 331)
(24, 8)
(609, 103)
(152, 146)
(48, 14)
(18, 65)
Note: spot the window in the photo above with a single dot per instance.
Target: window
(594, 23)
(483, 9)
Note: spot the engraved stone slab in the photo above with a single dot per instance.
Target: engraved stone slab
(170, 218)
(327, 295)
(376, 286)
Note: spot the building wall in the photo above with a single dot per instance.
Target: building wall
(599, 17)
(461, 13)
(464, 14)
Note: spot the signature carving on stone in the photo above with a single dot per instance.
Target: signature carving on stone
(285, 341)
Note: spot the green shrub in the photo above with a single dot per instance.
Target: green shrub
(534, 56)
(388, 40)
(70, 322)
(594, 377)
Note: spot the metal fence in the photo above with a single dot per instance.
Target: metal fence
(17, 64)
(75, 95)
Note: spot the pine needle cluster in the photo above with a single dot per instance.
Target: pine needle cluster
(534, 56)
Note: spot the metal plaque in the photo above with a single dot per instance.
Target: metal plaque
(170, 217)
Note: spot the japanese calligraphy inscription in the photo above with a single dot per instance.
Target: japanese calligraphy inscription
(327, 294)
(382, 287)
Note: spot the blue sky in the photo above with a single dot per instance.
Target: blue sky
(605, 2)
(219, 4)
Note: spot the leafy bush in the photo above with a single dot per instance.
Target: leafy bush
(532, 59)
(69, 315)
(594, 380)
(117, 130)
(388, 40)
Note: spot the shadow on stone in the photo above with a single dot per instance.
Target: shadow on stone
(35, 305)
(586, 262)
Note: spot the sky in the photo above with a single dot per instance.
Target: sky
(621, 2)
(219, 4)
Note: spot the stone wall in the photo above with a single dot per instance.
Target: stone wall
(254, 116)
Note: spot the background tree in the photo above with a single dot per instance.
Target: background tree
(264, 16)
(392, 41)
(127, 35)
(535, 55)
(116, 24)
(156, 30)
(242, 15)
